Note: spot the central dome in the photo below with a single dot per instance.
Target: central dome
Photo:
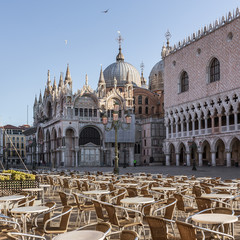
(119, 70)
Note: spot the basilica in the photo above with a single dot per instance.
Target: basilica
(68, 128)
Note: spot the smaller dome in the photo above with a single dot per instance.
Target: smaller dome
(156, 77)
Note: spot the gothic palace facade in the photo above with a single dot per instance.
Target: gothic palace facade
(202, 95)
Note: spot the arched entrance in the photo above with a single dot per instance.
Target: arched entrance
(182, 155)
(89, 143)
(54, 148)
(235, 151)
(40, 138)
(172, 154)
(220, 153)
(206, 154)
(48, 148)
(70, 147)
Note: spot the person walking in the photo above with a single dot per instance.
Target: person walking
(135, 162)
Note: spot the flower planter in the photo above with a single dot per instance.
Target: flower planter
(9, 187)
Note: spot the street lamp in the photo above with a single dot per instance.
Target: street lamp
(116, 124)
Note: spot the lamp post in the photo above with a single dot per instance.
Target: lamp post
(116, 124)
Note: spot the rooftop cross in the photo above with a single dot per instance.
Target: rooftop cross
(119, 39)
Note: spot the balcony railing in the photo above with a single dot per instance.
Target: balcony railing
(204, 131)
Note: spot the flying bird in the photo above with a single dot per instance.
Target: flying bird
(105, 11)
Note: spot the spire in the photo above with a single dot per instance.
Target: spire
(35, 102)
(86, 80)
(168, 36)
(68, 76)
(120, 56)
(143, 80)
(40, 97)
(54, 84)
(60, 84)
(48, 78)
(101, 77)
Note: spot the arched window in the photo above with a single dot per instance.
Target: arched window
(146, 110)
(146, 100)
(140, 99)
(184, 84)
(89, 134)
(214, 73)
(140, 110)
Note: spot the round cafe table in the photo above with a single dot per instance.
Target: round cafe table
(98, 193)
(81, 235)
(25, 211)
(137, 201)
(217, 196)
(7, 199)
(33, 190)
(215, 218)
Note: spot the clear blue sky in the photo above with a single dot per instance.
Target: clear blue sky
(33, 35)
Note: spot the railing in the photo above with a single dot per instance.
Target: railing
(204, 131)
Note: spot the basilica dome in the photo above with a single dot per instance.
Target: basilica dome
(119, 70)
(156, 77)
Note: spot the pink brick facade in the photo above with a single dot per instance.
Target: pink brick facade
(215, 44)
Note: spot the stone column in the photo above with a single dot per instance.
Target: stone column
(167, 159)
(176, 129)
(182, 128)
(200, 160)
(131, 156)
(220, 122)
(228, 153)
(63, 158)
(167, 131)
(227, 121)
(177, 159)
(187, 127)
(188, 159)
(212, 119)
(193, 127)
(213, 159)
(235, 120)
(199, 126)
(205, 122)
(76, 158)
(171, 130)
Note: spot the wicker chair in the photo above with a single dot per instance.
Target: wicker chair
(45, 216)
(203, 203)
(132, 192)
(116, 200)
(64, 197)
(185, 210)
(158, 228)
(21, 236)
(126, 235)
(190, 232)
(62, 226)
(197, 191)
(99, 211)
(122, 222)
(83, 208)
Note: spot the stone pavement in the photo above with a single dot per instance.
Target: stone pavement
(223, 172)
